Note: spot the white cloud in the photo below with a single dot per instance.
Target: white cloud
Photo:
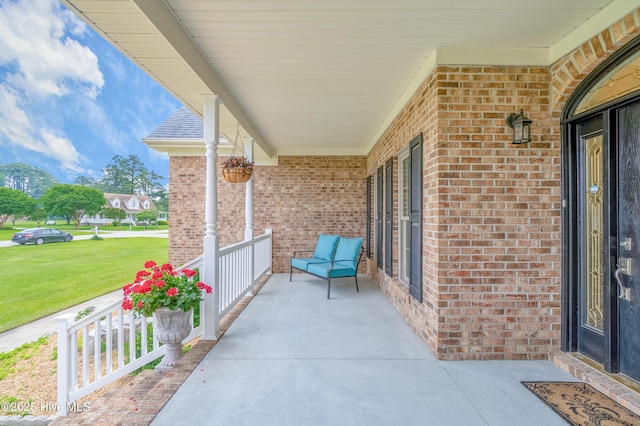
(15, 123)
(63, 150)
(19, 131)
(40, 64)
(47, 62)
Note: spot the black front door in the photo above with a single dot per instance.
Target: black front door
(605, 237)
(627, 273)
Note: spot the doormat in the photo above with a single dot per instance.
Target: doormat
(582, 405)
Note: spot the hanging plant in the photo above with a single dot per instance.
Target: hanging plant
(237, 169)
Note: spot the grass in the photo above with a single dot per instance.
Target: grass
(40, 280)
(7, 231)
(9, 359)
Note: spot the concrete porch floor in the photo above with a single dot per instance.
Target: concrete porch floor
(295, 358)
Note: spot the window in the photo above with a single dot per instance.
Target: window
(146, 204)
(116, 204)
(133, 204)
(404, 249)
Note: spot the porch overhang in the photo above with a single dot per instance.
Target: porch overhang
(327, 78)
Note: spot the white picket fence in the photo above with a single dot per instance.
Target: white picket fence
(97, 349)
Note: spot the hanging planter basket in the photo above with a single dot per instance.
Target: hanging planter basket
(237, 174)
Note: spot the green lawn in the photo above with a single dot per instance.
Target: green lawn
(36, 281)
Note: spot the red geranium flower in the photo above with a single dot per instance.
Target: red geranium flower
(162, 286)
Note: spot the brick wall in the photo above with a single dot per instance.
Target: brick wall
(491, 232)
(299, 199)
(491, 210)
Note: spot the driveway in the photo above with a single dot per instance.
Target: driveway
(111, 234)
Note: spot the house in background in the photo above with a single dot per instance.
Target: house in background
(131, 204)
(389, 121)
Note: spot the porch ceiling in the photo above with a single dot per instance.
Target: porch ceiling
(327, 77)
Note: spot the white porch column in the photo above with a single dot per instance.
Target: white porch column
(248, 204)
(210, 317)
(248, 214)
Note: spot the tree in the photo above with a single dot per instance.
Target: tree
(87, 181)
(150, 215)
(38, 215)
(118, 215)
(129, 176)
(32, 181)
(73, 201)
(14, 203)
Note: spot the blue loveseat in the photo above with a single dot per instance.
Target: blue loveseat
(334, 257)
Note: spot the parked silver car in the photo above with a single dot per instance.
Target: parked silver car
(41, 236)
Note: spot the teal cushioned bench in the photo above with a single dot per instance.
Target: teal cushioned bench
(325, 249)
(343, 262)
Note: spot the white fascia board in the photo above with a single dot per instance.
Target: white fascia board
(184, 147)
(492, 57)
(196, 148)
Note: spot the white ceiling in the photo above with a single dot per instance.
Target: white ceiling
(327, 76)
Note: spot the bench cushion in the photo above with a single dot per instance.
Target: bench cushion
(302, 262)
(322, 270)
(347, 253)
(326, 247)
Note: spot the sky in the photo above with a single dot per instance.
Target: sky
(69, 101)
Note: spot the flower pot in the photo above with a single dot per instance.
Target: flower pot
(237, 174)
(171, 328)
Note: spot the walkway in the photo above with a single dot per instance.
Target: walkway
(295, 358)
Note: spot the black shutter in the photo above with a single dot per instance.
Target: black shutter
(369, 192)
(388, 217)
(415, 217)
(379, 213)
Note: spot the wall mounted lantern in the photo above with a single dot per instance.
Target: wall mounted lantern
(521, 126)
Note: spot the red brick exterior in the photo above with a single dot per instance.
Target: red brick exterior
(299, 199)
(491, 210)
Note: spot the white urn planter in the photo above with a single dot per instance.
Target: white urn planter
(171, 328)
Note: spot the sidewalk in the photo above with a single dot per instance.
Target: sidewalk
(30, 332)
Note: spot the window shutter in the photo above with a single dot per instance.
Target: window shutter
(415, 217)
(369, 193)
(388, 218)
(379, 218)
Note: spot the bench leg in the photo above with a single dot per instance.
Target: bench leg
(290, 273)
(328, 288)
(357, 289)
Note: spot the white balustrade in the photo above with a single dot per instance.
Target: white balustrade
(97, 349)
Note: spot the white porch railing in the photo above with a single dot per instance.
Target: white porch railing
(103, 346)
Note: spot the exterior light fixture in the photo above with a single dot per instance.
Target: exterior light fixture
(521, 126)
